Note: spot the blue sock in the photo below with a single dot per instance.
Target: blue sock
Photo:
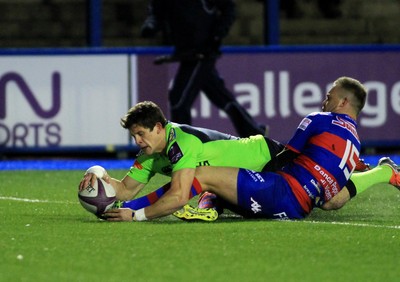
(153, 197)
(147, 200)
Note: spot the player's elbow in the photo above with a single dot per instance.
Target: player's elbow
(181, 201)
(174, 201)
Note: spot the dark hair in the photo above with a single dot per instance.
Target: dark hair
(356, 88)
(145, 114)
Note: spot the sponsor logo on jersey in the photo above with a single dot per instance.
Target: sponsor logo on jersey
(203, 163)
(172, 135)
(304, 123)
(346, 125)
(175, 153)
(308, 191)
(137, 165)
(331, 187)
(319, 202)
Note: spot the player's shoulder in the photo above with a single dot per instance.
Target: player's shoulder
(329, 118)
(315, 119)
(181, 142)
(175, 133)
(320, 114)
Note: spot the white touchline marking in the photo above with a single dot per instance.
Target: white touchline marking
(35, 200)
(303, 221)
(326, 222)
(354, 224)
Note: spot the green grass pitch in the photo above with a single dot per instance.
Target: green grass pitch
(47, 236)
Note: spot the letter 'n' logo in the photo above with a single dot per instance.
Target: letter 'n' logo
(30, 97)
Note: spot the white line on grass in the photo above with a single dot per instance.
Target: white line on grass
(354, 224)
(35, 200)
(325, 222)
(312, 222)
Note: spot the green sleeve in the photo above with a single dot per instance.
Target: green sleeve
(141, 170)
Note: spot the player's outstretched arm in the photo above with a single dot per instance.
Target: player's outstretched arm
(338, 201)
(125, 189)
(174, 198)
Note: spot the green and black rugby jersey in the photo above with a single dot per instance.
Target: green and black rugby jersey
(189, 147)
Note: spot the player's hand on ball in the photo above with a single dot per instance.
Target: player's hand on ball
(91, 176)
(122, 214)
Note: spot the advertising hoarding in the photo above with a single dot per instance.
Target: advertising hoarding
(63, 101)
(279, 89)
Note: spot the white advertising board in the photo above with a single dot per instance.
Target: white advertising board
(56, 101)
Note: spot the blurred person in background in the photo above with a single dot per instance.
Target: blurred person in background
(196, 28)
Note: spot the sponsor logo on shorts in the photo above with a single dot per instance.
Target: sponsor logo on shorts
(255, 176)
(280, 216)
(255, 207)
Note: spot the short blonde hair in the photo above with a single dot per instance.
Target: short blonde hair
(356, 88)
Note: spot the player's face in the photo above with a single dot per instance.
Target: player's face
(332, 100)
(149, 140)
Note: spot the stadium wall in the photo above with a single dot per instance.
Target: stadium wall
(66, 100)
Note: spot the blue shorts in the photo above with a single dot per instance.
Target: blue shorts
(267, 195)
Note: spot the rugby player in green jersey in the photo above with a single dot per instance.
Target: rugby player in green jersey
(176, 150)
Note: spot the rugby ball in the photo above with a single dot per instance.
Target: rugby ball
(97, 199)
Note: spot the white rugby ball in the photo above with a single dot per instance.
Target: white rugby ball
(97, 199)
